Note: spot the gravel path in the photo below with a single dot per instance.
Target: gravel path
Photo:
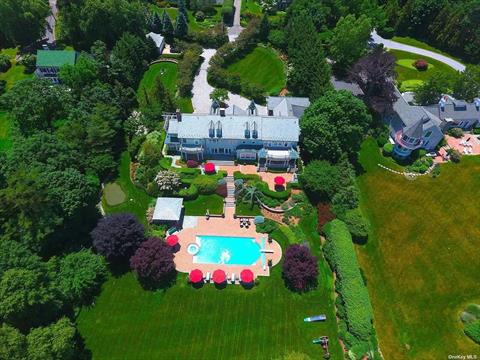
(390, 44)
(51, 20)
(202, 89)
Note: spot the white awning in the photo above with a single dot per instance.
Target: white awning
(278, 154)
(168, 209)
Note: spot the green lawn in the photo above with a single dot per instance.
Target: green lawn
(193, 24)
(263, 68)
(136, 201)
(199, 206)
(168, 73)
(265, 322)
(421, 261)
(242, 208)
(252, 7)
(422, 45)
(5, 123)
(408, 76)
(15, 73)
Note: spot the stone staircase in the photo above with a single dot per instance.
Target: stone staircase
(230, 199)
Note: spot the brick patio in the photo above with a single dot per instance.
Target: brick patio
(227, 226)
(252, 169)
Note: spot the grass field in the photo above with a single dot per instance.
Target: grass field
(263, 68)
(408, 76)
(422, 45)
(15, 73)
(5, 123)
(199, 206)
(136, 201)
(168, 73)
(421, 261)
(265, 322)
(252, 7)
(243, 208)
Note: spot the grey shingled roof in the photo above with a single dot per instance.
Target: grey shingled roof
(157, 39)
(471, 112)
(270, 128)
(235, 110)
(168, 209)
(345, 85)
(415, 131)
(287, 106)
(410, 115)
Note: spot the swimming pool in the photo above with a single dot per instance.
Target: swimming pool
(228, 250)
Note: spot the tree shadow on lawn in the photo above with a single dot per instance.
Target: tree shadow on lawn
(154, 285)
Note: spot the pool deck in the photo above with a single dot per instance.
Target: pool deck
(227, 226)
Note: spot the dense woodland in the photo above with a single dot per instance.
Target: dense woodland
(67, 140)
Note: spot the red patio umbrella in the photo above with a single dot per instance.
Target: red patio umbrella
(209, 167)
(279, 180)
(247, 276)
(172, 240)
(219, 276)
(196, 276)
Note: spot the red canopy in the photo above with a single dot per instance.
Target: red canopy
(209, 168)
(172, 240)
(279, 180)
(219, 276)
(247, 276)
(196, 276)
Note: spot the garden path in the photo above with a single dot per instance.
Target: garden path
(390, 44)
(201, 88)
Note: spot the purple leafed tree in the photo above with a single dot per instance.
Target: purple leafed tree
(300, 269)
(118, 236)
(375, 74)
(153, 262)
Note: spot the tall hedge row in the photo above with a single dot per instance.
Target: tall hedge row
(340, 253)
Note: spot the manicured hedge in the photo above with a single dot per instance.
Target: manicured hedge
(472, 330)
(205, 184)
(340, 253)
(190, 193)
(246, 177)
(280, 195)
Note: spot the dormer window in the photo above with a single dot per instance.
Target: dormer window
(219, 129)
(247, 130)
(254, 130)
(211, 130)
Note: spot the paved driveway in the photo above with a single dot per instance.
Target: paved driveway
(390, 44)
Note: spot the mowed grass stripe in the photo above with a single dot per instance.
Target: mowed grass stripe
(420, 261)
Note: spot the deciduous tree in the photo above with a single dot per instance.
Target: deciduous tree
(300, 268)
(334, 124)
(349, 40)
(153, 263)
(118, 236)
(374, 74)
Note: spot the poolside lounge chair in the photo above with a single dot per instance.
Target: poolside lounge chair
(207, 278)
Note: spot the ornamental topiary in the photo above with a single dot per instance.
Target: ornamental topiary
(153, 263)
(258, 220)
(388, 149)
(300, 268)
(421, 65)
(192, 164)
(456, 132)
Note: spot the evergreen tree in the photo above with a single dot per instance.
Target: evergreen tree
(310, 74)
(264, 28)
(162, 96)
(181, 26)
(167, 26)
(157, 24)
(182, 9)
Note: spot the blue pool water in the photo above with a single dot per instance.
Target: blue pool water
(229, 250)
